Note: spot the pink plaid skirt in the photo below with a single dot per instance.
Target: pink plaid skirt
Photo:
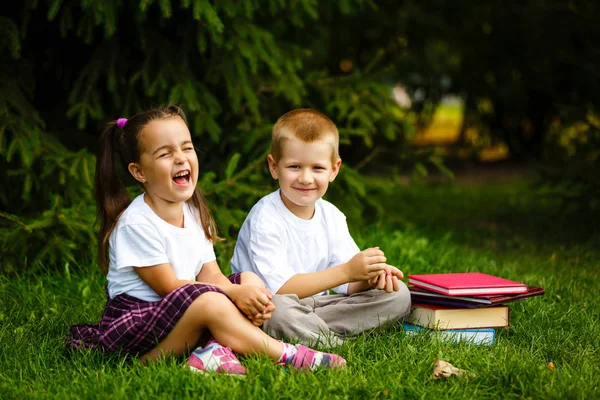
(136, 326)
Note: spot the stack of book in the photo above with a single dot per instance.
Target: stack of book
(463, 306)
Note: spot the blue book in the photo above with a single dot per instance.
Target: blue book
(479, 336)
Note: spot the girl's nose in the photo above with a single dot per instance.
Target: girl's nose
(180, 157)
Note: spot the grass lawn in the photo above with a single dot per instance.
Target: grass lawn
(499, 229)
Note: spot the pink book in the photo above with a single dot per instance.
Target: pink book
(466, 284)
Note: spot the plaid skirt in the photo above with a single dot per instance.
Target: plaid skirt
(136, 326)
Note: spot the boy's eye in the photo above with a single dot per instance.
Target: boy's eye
(294, 166)
(188, 148)
(163, 155)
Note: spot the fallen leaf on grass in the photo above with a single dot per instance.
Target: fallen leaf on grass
(443, 369)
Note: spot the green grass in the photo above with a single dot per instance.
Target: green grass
(504, 230)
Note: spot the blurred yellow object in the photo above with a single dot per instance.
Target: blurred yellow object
(445, 125)
(495, 153)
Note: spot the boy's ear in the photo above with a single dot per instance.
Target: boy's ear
(136, 172)
(272, 166)
(335, 169)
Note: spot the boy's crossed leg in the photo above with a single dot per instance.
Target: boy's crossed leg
(328, 320)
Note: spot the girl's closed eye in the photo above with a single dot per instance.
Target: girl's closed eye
(163, 154)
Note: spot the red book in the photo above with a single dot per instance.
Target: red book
(466, 284)
(420, 295)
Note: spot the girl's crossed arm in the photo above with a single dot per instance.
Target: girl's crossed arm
(254, 301)
(161, 278)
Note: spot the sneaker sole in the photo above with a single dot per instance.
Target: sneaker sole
(203, 372)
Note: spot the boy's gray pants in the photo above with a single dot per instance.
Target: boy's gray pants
(326, 320)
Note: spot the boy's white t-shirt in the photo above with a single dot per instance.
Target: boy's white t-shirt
(276, 245)
(143, 239)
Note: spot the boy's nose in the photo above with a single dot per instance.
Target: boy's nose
(305, 176)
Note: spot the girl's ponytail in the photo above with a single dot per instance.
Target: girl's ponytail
(111, 195)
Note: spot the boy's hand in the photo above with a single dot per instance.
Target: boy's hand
(252, 300)
(388, 280)
(366, 265)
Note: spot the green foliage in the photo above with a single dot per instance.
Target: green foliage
(38, 224)
(574, 177)
(70, 66)
(519, 58)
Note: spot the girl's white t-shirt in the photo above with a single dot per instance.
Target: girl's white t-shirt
(143, 239)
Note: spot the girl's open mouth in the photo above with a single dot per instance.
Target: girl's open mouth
(182, 178)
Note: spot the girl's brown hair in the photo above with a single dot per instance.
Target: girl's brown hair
(112, 197)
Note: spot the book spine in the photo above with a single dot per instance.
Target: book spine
(478, 337)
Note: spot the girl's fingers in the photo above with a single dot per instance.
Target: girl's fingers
(266, 316)
(268, 310)
(396, 283)
(253, 310)
(264, 299)
(261, 303)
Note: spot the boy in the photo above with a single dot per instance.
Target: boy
(299, 244)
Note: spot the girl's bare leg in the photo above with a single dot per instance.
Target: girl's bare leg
(214, 311)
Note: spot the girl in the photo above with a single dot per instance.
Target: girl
(164, 285)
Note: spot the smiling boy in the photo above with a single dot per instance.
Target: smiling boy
(299, 244)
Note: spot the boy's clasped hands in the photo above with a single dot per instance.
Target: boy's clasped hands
(253, 301)
(370, 265)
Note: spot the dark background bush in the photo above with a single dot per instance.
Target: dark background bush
(527, 71)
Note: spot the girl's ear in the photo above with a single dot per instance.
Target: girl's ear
(272, 167)
(136, 172)
(335, 169)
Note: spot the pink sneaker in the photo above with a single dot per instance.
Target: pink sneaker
(217, 358)
(306, 358)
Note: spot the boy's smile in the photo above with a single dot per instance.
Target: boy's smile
(304, 172)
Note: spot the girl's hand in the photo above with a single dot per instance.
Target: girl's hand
(251, 300)
(260, 319)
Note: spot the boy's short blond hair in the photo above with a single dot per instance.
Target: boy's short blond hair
(307, 125)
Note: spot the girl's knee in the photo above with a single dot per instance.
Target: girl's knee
(250, 278)
(210, 303)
